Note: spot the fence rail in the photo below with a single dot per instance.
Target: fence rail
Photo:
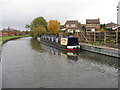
(105, 38)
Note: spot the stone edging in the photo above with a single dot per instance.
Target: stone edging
(102, 50)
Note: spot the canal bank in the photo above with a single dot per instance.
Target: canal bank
(101, 50)
(6, 39)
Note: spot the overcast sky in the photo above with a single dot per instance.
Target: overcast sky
(17, 13)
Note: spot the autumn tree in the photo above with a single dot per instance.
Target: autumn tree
(53, 26)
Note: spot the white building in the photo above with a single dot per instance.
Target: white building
(118, 13)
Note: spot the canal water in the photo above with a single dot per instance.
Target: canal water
(27, 63)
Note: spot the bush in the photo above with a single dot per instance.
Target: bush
(59, 31)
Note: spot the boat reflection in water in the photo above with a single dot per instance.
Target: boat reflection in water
(64, 54)
(40, 47)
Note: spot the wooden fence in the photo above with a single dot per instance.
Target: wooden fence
(106, 38)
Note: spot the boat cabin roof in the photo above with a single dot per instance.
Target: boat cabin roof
(69, 37)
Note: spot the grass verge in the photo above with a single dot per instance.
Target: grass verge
(7, 38)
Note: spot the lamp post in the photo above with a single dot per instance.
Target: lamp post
(117, 26)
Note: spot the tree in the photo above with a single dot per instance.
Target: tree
(62, 26)
(37, 31)
(101, 26)
(79, 23)
(102, 30)
(53, 26)
(83, 27)
(28, 26)
(39, 21)
(104, 26)
(38, 26)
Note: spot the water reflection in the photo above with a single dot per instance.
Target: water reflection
(35, 44)
(99, 58)
(75, 56)
(40, 47)
(64, 54)
(39, 65)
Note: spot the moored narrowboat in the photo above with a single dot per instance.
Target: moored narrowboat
(64, 43)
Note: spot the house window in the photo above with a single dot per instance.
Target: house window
(67, 25)
(89, 24)
(72, 25)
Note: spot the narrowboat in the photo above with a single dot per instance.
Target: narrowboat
(64, 43)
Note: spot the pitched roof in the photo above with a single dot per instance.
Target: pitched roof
(93, 21)
(71, 22)
(76, 28)
(111, 24)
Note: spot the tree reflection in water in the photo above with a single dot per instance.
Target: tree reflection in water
(35, 44)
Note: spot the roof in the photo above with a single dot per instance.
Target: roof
(93, 21)
(111, 24)
(76, 28)
(69, 37)
(83, 24)
(71, 22)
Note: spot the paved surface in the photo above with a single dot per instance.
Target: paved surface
(101, 49)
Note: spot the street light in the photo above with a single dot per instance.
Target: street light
(117, 26)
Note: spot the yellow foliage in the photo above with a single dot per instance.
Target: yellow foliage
(101, 30)
(53, 26)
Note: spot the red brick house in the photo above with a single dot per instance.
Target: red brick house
(10, 32)
(111, 25)
(92, 24)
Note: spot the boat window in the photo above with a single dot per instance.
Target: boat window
(72, 41)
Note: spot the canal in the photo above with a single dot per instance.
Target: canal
(27, 63)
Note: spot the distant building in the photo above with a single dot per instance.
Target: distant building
(92, 24)
(111, 25)
(10, 32)
(71, 25)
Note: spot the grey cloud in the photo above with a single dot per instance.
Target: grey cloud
(17, 13)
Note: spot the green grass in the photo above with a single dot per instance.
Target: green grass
(4, 38)
(97, 43)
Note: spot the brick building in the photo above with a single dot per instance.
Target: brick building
(92, 24)
(71, 25)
